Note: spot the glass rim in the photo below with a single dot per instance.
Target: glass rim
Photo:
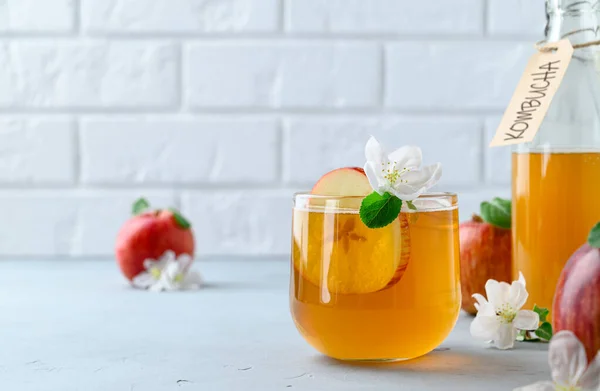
(429, 196)
(427, 202)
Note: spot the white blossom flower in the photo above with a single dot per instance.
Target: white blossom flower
(569, 366)
(500, 316)
(169, 273)
(400, 172)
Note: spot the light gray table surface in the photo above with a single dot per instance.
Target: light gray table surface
(75, 325)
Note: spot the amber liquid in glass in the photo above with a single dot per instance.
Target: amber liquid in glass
(555, 204)
(403, 302)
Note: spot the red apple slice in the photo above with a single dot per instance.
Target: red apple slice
(348, 181)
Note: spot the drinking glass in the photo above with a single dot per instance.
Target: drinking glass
(384, 294)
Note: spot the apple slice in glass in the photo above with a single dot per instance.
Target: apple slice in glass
(348, 256)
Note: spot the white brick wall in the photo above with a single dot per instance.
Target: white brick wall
(37, 16)
(283, 75)
(176, 16)
(224, 108)
(455, 17)
(88, 74)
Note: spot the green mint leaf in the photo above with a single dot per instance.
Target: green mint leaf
(542, 312)
(594, 238)
(410, 205)
(521, 336)
(139, 206)
(545, 331)
(497, 212)
(377, 211)
(179, 219)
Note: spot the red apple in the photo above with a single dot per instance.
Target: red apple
(149, 234)
(576, 304)
(348, 181)
(485, 253)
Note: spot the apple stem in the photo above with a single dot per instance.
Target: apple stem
(476, 218)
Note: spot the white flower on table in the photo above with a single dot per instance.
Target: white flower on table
(400, 172)
(569, 366)
(169, 273)
(499, 317)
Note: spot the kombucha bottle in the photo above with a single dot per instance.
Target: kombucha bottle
(556, 178)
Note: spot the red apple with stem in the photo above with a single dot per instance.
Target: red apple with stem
(149, 234)
(485, 250)
(576, 304)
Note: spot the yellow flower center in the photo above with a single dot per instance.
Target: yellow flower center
(392, 174)
(506, 313)
(155, 272)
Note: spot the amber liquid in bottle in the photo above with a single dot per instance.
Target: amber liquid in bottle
(556, 198)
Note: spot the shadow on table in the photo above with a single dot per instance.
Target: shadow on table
(460, 361)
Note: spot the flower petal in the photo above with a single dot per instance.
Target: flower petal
(484, 327)
(408, 157)
(435, 172)
(487, 310)
(143, 280)
(497, 292)
(185, 260)
(406, 192)
(526, 320)
(373, 177)
(150, 263)
(539, 386)
(505, 338)
(427, 177)
(522, 279)
(567, 358)
(374, 152)
(172, 269)
(192, 281)
(517, 295)
(481, 301)
(168, 255)
(590, 380)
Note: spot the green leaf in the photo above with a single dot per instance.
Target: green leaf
(544, 331)
(139, 206)
(377, 211)
(506, 204)
(410, 205)
(594, 237)
(542, 312)
(497, 212)
(521, 336)
(179, 219)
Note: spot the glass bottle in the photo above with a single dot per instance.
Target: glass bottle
(556, 178)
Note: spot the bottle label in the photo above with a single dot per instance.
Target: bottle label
(531, 100)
